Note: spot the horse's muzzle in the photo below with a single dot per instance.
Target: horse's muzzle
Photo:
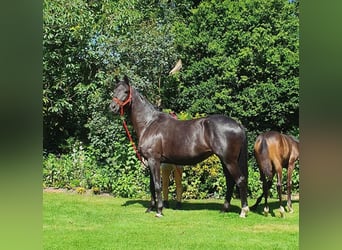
(114, 107)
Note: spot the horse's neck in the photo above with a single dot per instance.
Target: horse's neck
(142, 113)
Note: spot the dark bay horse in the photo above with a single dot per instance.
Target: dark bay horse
(163, 139)
(273, 152)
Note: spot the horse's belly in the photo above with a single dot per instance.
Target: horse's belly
(192, 161)
(183, 156)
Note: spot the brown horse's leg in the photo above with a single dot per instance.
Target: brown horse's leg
(166, 171)
(255, 206)
(266, 187)
(279, 182)
(289, 186)
(263, 181)
(179, 188)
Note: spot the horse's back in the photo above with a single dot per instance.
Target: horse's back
(192, 141)
(213, 125)
(279, 148)
(224, 124)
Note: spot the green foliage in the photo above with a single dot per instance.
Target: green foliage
(68, 69)
(126, 177)
(120, 175)
(240, 58)
(204, 180)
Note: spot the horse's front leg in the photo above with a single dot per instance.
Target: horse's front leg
(153, 193)
(155, 172)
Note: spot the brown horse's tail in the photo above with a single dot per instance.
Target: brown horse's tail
(264, 157)
(243, 157)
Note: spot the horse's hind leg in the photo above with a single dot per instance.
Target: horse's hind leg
(264, 186)
(233, 172)
(230, 188)
(289, 186)
(242, 184)
(279, 182)
(267, 184)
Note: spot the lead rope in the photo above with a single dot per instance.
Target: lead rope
(130, 138)
(122, 105)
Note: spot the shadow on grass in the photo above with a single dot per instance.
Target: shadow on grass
(189, 205)
(273, 206)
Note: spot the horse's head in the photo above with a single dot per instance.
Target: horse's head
(122, 96)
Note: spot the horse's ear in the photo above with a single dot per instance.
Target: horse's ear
(126, 80)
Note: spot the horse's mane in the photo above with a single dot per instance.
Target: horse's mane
(152, 107)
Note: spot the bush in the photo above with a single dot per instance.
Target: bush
(109, 164)
(69, 170)
(125, 176)
(121, 175)
(204, 180)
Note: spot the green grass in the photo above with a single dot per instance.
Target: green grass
(74, 221)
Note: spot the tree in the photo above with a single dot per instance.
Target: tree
(86, 44)
(240, 58)
(68, 69)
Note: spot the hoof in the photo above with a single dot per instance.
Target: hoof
(266, 211)
(149, 210)
(158, 215)
(290, 209)
(244, 212)
(282, 212)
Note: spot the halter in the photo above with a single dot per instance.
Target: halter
(122, 105)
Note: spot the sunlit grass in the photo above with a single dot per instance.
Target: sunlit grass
(74, 221)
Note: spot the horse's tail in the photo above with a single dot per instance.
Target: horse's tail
(263, 156)
(243, 157)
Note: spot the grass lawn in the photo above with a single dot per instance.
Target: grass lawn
(74, 221)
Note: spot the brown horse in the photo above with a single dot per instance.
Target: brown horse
(273, 152)
(163, 139)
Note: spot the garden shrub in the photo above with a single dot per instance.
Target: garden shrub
(115, 168)
(121, 175)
